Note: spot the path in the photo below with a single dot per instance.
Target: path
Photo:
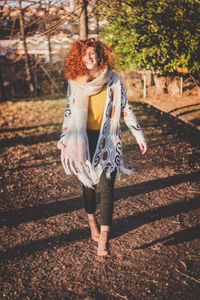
(46, 251)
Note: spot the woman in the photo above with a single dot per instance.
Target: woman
(90, 142)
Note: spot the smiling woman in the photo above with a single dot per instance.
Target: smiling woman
(90, 142)
(75, 66)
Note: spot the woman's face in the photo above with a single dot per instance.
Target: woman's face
(91, 59)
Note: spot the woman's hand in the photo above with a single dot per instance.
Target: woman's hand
(60, 145)
(143, 147)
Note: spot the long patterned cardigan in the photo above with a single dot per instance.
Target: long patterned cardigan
(108, 155)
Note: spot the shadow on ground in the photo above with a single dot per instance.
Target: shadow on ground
(18, 216)
(120, 226)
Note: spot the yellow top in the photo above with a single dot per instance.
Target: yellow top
(96, 109)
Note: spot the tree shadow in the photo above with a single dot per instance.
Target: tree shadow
(31, 247)
(195, 121)
(120, 227)
(174, 126)
(27, 214)
(38, 99)
(31, 140)
(187, 112)
(181, 236)
(19, 168)
(155, 118)
(186, 106)
(156, 184)
(129, 223)
(4, 130)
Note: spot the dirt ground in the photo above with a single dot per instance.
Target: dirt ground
(46, 251)
(185, 108)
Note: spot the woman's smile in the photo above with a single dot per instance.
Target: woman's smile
(90, 59)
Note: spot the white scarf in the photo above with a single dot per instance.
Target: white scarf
(75, 155)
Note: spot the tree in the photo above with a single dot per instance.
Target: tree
(35, 21)
(83, 20)
(27, 60)
(47, 27)
(161, 34)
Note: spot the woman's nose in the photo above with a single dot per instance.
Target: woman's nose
(89, 55)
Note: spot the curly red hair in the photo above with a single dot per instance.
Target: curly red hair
(74, 66)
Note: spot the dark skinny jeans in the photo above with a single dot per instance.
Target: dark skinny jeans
(106, 186)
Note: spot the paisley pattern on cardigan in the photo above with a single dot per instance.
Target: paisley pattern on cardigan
(108, 155)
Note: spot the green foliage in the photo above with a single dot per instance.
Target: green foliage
(159, 34)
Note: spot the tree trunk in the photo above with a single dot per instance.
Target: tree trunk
(83, 21)
(97, 19)
(3, 94)
(27, 61)
(47, 27)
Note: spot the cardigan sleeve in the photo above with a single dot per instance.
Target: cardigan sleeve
(129, 116)
(67, 114)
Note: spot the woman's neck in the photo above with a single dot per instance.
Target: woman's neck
(87, 78)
